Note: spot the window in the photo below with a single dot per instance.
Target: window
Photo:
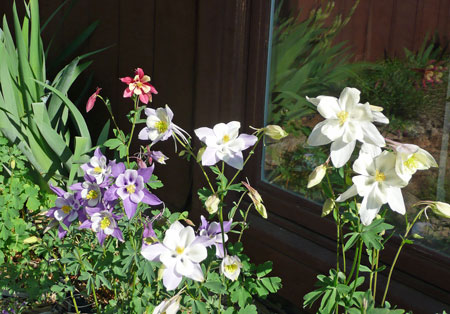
(295, 234)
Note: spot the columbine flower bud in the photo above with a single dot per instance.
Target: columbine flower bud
(275, 132)
(212, 204)
(256, 199)
(231, 267)
(441, 209)
(327, 207)
(316, 176)
(170, 306)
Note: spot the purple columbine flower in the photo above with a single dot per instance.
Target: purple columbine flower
(149, 236)
(212, 232)
(104, 224)
(97, 168)
(67, 209)
(130, 188)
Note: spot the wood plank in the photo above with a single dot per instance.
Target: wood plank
(402, 33)
(173, 72)
(444, 20)
(427, 22)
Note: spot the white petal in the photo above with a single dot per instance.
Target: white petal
(364, 165)
(341, 152)
(197, 273)
(171, 279)
(196, 253)
(152, 252)
(349, 98)
(363, 184)
(328, 107)
(184, 266)
(187, 235)
(395, 200)
(204, 133)
(333, 129)
(372, 150)
(317, 138)
(347, 194)
(372, 135)
(220, 130)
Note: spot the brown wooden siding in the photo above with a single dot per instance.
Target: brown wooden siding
(380, 26)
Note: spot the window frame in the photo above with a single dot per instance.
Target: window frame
(419, 268)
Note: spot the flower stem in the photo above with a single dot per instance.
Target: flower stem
(92, 282)
(404, 241)
(376, 275)
(245, 222)
(136, 102)
(260, 136)
(357, 269)
(189, 150)
(338, 223)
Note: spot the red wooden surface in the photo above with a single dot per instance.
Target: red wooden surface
(380, 26)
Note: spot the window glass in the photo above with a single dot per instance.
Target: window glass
(397, 60)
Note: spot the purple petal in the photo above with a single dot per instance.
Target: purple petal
(92, 210)
(227, 225)
(205, 224)
(130, 207)
(148, 231)
(98, 153)
(146, 173)
(51, 211)
(101, 236)
(58, 191)
(150, 199)
(131, 176)
(82, 216)
(209, 157)
(76, 186)
(249, 140)
(219, 250)
(61, 232)
(87, 224)
(117, 234)
(203, 240)
(110, 194)
(117, 169)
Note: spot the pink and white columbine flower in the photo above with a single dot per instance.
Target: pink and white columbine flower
(139, 86)
(223, 143)
(378, 184)
(346, 121)
(160, 126)
(180, 252)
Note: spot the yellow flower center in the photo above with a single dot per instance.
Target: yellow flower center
(379, 176)
(342, 116)
(105, 223)
(138, 85)
(179, 250)
(131, 189)
(412, 163)
(98, 169)
(92, 195)
(150, 240)
(161, 126)
(225, 138)
(66, 209)
(231, 268)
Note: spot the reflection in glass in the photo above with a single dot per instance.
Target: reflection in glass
(315, 51)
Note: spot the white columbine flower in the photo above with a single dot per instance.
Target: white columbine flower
(377, 183)
(346, 120)
(180, 252)
(223, 143)
(231, 267)
(160, 126)
(411, 158)
(170, 306)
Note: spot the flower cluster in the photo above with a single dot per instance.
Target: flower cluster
(93, 202)
(181, 251)
(380, 174)
(433, 73)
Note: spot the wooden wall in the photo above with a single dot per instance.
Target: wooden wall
(380, 26)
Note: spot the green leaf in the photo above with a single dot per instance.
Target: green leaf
(273, 284)
(215, 286)
(249, 309)
(113, 143)
(200, 307)
(264, 269)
